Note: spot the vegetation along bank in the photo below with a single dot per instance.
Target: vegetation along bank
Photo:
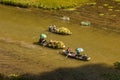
(46, 4)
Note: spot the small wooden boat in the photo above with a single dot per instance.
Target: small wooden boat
(61, 30)
(73, 55)
(53, 44)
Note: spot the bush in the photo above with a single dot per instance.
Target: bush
(111, 76)
(1, 76)
(117, 64)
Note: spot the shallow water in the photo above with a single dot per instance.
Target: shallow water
(27, 24)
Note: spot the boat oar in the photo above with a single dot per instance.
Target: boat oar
(67, 56)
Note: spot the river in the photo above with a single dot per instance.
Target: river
(21, 24)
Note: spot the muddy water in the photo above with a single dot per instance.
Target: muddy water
(27, 24)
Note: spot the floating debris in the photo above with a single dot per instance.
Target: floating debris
(85, 23)
(65, 18)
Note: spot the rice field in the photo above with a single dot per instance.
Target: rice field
(46, 4)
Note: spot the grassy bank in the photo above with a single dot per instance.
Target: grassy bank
(46, 4)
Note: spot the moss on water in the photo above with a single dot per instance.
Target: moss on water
(46, 4)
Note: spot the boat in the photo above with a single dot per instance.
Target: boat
(74, 56)
(60, 30)
(53, 44)
(56, 44)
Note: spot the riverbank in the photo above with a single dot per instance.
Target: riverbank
(45, 4)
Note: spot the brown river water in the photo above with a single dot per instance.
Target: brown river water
(26, 25)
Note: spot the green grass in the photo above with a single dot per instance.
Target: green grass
(46, 4)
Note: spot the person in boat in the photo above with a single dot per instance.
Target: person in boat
(68, 50)
(52, 28)
(78, 51)
(42, 41)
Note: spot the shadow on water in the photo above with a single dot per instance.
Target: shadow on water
(88, 72)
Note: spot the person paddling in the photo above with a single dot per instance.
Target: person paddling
(42, 39)
(68, 50)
